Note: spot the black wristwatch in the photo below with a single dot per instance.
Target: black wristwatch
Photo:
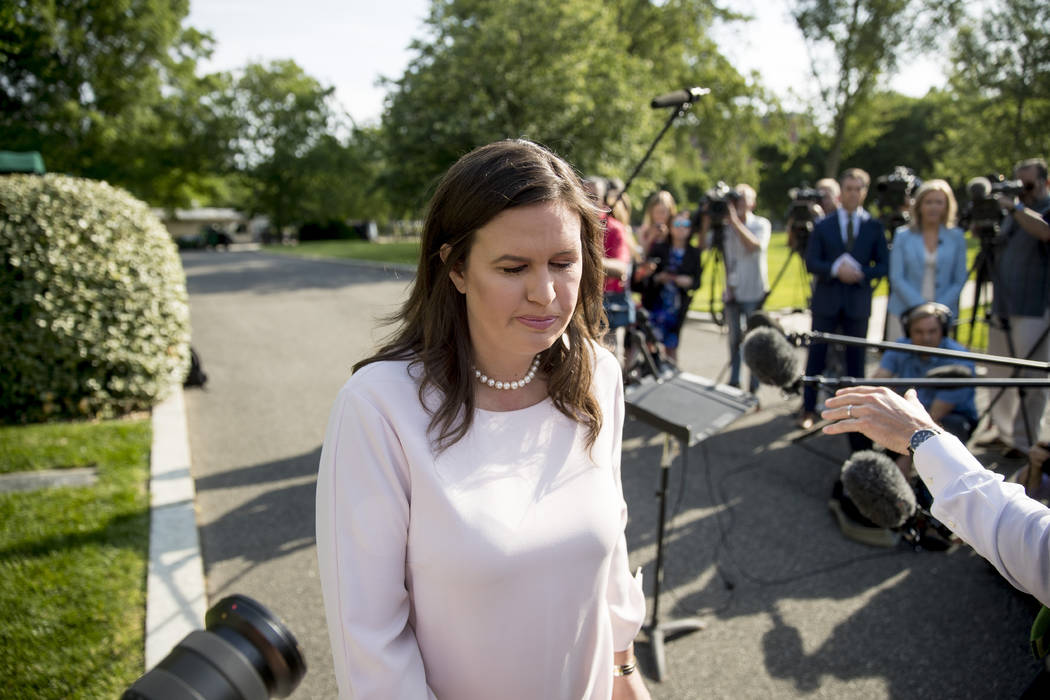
(920, 436)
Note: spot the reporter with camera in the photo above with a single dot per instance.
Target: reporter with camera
(997, 519)
(928, 257)
(847, 254)
(799, 227)
(744, 247)
(1021, 286)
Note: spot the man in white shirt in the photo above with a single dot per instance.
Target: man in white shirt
(747, 275)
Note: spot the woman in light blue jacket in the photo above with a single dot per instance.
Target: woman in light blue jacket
(928, 259)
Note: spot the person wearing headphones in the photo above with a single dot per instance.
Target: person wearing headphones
(927, 324)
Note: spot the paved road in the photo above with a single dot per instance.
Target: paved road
(793, 609)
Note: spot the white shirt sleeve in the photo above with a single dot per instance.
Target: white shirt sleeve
(997, 519)
(363, 494)
(624, 595)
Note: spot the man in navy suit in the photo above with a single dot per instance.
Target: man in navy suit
(846, 254)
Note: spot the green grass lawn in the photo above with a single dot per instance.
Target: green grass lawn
(395, 251)
(73, 562)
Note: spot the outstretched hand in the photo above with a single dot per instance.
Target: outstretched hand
(879, 413)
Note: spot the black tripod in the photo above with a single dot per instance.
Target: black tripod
(985, 270)
(715, 262)
(803, 275)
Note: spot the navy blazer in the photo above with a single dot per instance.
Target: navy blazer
(831, 296)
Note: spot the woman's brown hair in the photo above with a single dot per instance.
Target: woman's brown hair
(434, 334)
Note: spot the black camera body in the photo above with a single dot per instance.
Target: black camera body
(893, 193)
(245, 653)
(984, 213)
(715, 205)
(800, 214)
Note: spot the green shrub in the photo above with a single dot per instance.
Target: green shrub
(94, 319)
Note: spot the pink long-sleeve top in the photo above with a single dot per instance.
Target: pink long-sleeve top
(494, 569)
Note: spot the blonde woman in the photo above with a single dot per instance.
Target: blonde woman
(928, 259)
(656, 222)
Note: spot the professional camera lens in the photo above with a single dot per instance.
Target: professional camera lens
(244, 654)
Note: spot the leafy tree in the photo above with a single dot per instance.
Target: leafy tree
(109, 91)
(854, 43)
(575, 75)
(285, 115)
(909, 132)
(1000, 89)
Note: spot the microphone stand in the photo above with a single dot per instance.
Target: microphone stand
(679, 111)
(806, 339)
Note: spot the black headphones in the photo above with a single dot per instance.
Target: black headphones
(927, 308)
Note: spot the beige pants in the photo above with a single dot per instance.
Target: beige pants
(1006, 414)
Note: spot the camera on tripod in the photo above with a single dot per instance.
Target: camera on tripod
(715, 205)
(893, 197)
(984, 212)
(802, 216)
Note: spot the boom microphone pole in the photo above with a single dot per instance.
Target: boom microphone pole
(922, 382)
(681, 100)
(808, 338)
(772, 358)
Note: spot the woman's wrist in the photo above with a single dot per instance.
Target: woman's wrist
(624, 663)
(626, 668)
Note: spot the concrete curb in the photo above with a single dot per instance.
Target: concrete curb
(175, 594)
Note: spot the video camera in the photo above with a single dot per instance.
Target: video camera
(245, 653)
(715, 204)
(984, 213)
(893, 197)
(801, 215)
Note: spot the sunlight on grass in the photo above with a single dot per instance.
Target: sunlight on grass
(73, 562)
(404, 252)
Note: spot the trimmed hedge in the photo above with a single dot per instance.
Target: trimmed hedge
(94, 320)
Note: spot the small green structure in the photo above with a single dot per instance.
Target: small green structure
(21, 162)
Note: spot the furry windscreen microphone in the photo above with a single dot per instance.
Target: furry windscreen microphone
(979, 187)
(763, 319)
(769, 355)
(878, 489)
(950, 372)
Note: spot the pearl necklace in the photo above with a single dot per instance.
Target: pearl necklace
(509, 386)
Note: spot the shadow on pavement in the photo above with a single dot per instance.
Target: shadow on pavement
(277, 522)
(754, 550)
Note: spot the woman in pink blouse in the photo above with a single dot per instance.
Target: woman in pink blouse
(470, 517)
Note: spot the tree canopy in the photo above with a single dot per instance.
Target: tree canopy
(518, 68)
(114, 91)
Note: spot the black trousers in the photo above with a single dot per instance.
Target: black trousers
(818, 358)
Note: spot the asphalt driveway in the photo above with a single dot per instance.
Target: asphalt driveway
(794, 610)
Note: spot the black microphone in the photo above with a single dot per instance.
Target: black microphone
(878, 489)
(764, 319)
(771, 358)
(679, 97)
